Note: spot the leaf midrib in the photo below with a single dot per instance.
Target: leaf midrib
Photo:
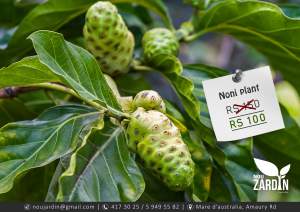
(96, 154)
(47, 140)
(244, 29)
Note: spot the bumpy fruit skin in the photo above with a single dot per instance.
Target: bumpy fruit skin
(108, 38)
(159, 41)
(149, 100)
(159, 144)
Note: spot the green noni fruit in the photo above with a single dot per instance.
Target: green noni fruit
(158, 142)
(108, 38)
(149, 100)
(159, 41)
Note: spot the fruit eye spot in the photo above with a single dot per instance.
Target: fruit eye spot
(98, 48)
(169, 158)
(149, 151)
(155, 127)
(172, 149)
(152, 163)
(159, 154)
(170, 169)
(167, 132)
(144, 95)
(136, 132)
(181, 154)
(153, 139)
(162, 144)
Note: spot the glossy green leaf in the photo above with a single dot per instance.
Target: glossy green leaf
(25, 72)
(138, 83)
(29, 144)
(61, 167)
(282, 147)
(289, 98)
(31, 186)
(10, 15)
(197, 73)
(25, 3)
(102, 170)
(291, 10)
(171, 68)
(12, 110)
(236, 168)
(260, 24)
(75, 66)
(156, 190)
(203, 167)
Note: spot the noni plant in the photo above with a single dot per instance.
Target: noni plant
(103, 100)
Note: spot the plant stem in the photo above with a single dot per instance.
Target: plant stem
(137, 66)
(11, 92)
(58, 87)
(54, 86)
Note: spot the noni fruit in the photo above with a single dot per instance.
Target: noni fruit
(108, 38)
(159, 41)
(158, 143)
(149, 100)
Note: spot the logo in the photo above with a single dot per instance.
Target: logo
(276, 180)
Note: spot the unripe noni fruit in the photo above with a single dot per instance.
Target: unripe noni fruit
(158, 142)
(159, 41)
(149, 100)
(108, 38)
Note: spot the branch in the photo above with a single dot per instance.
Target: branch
(11, 92)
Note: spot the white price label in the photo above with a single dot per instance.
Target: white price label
(243, 109)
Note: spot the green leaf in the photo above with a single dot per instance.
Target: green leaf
(203, 167)
(61, 167)
(289, 98)
(10, 15)
(291, 10)
(156, 6)
(12, 110)
(25, 3)
(260, 24)
(197, 73)
(29, 144)
(138, 83)
(171, 68)
(282, 147)
(75, 66)
(25, 72)
(156, 190)
(31, 186)
(102, 170)
(235, 167)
